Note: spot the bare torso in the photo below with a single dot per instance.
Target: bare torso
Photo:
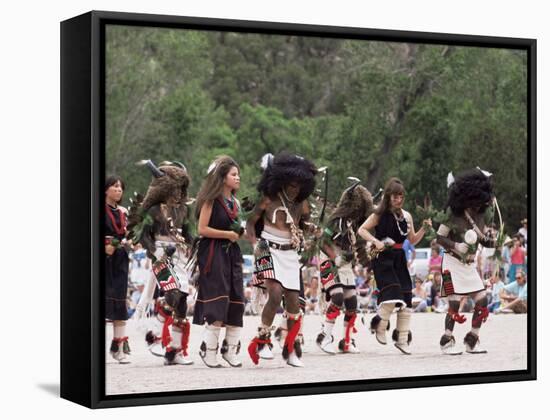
(276, 217)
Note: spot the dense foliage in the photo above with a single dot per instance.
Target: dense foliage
(368, 109)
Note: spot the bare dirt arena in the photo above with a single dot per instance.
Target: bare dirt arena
(504, 336)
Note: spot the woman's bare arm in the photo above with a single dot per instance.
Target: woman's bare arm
(413, 236)
(370, 224)
(207, 231)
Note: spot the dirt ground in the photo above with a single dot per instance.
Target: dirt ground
(504, 336)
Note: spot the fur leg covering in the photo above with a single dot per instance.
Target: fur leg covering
(209, 346)
(380, 323)
(263, 338)
(231, 346)
(402, 334)
(294, 324)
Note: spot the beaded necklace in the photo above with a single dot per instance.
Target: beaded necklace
(230, 207)
(296, 234)
(120, 230)
(400, 219)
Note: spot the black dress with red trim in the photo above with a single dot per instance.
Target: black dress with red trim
(220, 285)
(390, 267)
(116, 267)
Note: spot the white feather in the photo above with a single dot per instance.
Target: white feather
(211, 168)
(486, 173)
(265, 160)
(450, 179)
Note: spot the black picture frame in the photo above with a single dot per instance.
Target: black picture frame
(82, 178)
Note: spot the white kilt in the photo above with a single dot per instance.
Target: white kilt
(465, 277)
(286, 264)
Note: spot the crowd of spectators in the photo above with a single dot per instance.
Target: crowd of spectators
(506, 285)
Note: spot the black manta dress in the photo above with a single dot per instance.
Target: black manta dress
(390, 268)
(220, 285)
(116, 267)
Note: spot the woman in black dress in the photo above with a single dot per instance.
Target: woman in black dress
(391, 225)
(116, 268)
(220, 300)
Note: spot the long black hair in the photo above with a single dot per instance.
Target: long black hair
(112, 180)
(393, 186)
(212, 186)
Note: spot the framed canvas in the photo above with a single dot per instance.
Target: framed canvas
(151, 98)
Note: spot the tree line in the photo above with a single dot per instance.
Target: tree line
(368, 109)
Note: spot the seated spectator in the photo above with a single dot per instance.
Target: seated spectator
(466, 304)
(364, 294)
(311, 295)
(434, 244)
(427, 286)
(517, 258)
(506, 249)
(419, 303)
(514, 295)
(439, 304)
(523, 232)
(496, 285)
(258, 298)
(248, 300)
(485, 263)
(191, 299)
(140, 265)
(134, 298)
(311, 270)
(360, 275)
(410, 254)
(435, 260)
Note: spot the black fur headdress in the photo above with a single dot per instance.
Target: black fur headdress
(470, 189)
(284, 169)
(355, 204)
(170, 183)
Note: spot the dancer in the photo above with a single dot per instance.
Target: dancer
(470, 195)
(116, 268)
(281, 331)
(159, 223)
(286, 183)
(340, 254)
(220, 301)
(392, 225)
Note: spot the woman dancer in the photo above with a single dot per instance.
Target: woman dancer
(220, 301)
(392, 225)
(116, 268)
